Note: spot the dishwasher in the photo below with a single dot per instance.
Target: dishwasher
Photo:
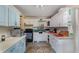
(40, 36)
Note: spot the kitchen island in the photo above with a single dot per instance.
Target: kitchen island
(40, 35)
(13, 45)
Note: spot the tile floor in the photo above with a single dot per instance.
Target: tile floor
(40, 47)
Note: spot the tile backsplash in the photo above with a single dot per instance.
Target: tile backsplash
(4, 31)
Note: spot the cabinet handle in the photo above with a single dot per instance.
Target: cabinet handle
(15, 23)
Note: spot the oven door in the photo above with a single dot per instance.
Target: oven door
(29, 37)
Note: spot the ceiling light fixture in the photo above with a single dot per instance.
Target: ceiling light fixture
(39, 6)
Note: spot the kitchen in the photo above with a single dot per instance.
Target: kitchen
(25, 25)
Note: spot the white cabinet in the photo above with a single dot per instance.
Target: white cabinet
(53, 41)
(62, 18)
(11, 17)
(14, 18)
(3, 15)
(17, 19)
(40, 36)
(68, 46)
(64, 45)
(37, 37)
(8, 16)
(61, 45)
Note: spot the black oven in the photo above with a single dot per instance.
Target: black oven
(29, 35)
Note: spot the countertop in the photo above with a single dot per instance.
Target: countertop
(10, 41)
(39, 30)
(60, 37)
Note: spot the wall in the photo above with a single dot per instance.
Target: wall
(22, 22)
(4, 31)
(76, 29)
(61, 28)
(34, 21)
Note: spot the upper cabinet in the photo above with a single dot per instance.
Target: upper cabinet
(9, 16)
(17, 20)
(63, 18)
(14, 18)
(3, 15)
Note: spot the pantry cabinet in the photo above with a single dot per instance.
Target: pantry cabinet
(3, 15)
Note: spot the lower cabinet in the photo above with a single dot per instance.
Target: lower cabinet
(40, 36)
(19, 47)
(62, 45)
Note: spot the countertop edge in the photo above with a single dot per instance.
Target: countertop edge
(12, 44)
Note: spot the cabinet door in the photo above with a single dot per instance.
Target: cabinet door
(66, 17)
(35, 36)
(56, 20)
(3, 15)
(11, 17)
(45, 36)
(68, 46)
(59, 46)
(51, 22)
(51, 41)
(17, 20)
(39, 37)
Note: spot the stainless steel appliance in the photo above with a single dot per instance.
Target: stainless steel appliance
(29, 35)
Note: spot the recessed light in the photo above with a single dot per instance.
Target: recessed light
(39, 6)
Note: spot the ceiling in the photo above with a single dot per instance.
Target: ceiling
(38, 11)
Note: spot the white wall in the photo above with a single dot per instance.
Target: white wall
(77, 32)
(61, 28)
(34, 21)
